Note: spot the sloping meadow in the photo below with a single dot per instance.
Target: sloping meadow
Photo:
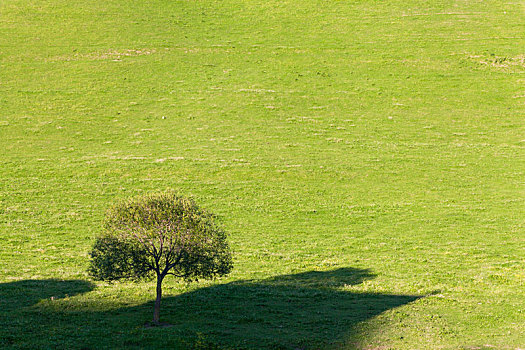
(365, 157)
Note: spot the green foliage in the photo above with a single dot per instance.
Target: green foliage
(113, 258)
(160, 233)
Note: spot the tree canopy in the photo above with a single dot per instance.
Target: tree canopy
(160, 234)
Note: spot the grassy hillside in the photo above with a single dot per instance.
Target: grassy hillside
(366, 157)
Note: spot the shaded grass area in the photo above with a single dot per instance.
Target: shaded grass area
(305, 310)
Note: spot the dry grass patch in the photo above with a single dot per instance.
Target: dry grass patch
(500, 61)
(114, 55)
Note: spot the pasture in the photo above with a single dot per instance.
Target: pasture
(366, 158)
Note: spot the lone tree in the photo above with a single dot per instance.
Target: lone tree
(159, 234)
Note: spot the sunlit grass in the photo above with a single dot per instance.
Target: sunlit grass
(374, 139)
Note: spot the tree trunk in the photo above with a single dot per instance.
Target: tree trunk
(156, 312)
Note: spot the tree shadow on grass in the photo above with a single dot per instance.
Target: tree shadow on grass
(310, 310)
(305, 310)
(20, 318)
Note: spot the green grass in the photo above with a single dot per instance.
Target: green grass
(366, 157)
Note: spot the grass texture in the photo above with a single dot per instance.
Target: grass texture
(366, 158)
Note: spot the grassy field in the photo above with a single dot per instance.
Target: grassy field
(366, 157)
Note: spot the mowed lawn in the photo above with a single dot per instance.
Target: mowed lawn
(366, 158)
